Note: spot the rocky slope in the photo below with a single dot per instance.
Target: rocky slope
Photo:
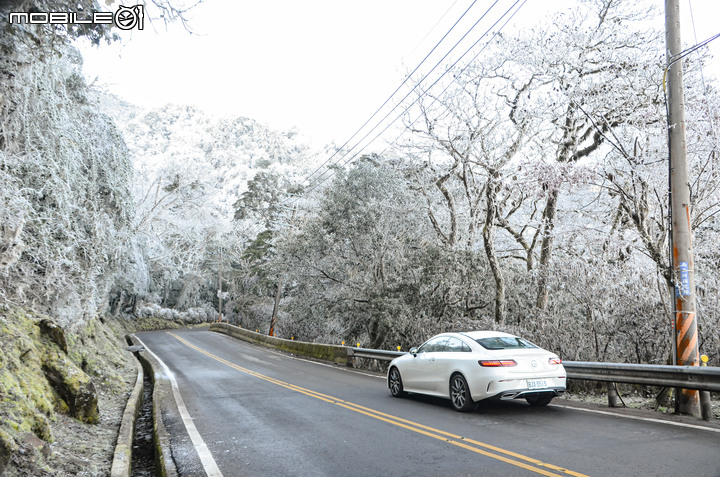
(62, 394)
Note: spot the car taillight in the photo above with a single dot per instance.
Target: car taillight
(497, 363)
(555, 360)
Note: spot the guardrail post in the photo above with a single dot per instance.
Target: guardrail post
(705, 406)
(351, 358)
(612, 394)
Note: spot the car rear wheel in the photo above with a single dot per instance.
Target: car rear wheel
(460, 394)
(395, 383)
(539, 400)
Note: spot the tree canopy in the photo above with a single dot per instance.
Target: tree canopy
(528, 193)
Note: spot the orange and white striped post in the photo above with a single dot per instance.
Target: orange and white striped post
(686, 336)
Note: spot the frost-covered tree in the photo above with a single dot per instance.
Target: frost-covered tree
(584, 189)
(593, 62)
(65, 201)
(525, 118)
(634, 175)
(468, 141)
(365, 265)
(201, 184)
(263, 199)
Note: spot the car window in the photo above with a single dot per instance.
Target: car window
(504, 342)
(455, 345)
(433, 345)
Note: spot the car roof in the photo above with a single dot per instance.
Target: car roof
(485, 334)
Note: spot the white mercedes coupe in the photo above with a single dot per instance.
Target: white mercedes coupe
(478, 365)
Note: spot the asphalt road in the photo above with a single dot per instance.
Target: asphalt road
(263, 413)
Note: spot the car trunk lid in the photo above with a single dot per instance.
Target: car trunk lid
(529, 361)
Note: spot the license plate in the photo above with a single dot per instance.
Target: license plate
(536, 384)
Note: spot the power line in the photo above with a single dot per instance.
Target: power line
(707, 103)
(433, 28)
(687, 51)
(396, 90)
(407, 78)
(328, 171)
(325, 175)
(465, 67)
(447, 70)
(434, 83)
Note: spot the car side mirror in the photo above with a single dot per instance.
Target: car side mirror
(413, 351)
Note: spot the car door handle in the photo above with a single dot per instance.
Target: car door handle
(431, 359)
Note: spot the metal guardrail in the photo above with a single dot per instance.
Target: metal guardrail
(686, 377)
(380, 354)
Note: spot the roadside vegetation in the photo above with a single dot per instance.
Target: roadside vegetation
(529, 195)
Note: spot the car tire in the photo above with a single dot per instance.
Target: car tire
(539, 400)
(460, 394)
(395, 383)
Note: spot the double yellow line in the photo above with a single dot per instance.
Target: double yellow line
(509, 457)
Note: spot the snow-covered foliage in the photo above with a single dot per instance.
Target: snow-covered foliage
(65, 199)
(201, 185)
(534, 184)
(361, 263)
(85, 222)
(530, 196)
(202, 314)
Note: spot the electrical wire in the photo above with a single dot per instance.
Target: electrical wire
(396, 89)
(686, 52)
(702, 74)
(449, 69)
(671, 61)
(707, 104)
(345, 153)
(433, 28)
(328, 173)
(462, 70)
(349, 159)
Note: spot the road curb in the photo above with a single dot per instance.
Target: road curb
(122, 458)
(161, 389)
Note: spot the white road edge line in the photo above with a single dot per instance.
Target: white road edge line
(638, 418)
(211, 468)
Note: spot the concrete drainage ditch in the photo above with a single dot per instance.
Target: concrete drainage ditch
(141, 439)
(143, 448)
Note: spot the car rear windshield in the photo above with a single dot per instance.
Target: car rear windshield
(504, 342)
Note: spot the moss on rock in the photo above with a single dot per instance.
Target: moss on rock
(54, 332)
(73, 386)
(46, 370)
(26, 397)
(7, 449)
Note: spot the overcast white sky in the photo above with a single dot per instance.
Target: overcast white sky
(323, 66)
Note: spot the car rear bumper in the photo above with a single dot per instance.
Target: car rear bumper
(518, 388)
(522, 393)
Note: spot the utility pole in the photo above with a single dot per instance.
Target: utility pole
(273, 319)
(278, 292)
(220, 288)
(684, 305)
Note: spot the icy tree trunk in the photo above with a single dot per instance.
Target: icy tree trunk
(546, 249)
(489, 243)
